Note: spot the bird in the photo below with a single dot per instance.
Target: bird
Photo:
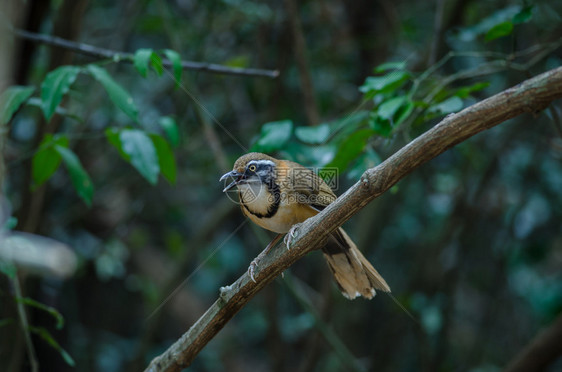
(277, 195)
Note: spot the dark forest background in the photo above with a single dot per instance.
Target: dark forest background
(119, 158)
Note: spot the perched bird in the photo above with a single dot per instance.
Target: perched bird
(277, 194)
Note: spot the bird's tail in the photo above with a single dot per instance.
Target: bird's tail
(354, 275)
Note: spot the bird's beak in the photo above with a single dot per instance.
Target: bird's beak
(237, 178)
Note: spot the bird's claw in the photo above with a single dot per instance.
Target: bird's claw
(254, 263)
(252, 268)
(288, 240)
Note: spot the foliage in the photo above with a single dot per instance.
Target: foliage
(149, 153)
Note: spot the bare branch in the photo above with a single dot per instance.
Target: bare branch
(97, 52)
(531, 96)
(25, 327)
(437, 33)
(299, 45)
(545, 348)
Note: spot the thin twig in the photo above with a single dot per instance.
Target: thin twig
(529, 96)
(437, 32)
(556, 121)
(179, 275)
(299, 45)
(25, 326)
(504, 62)
(349, 360)
(213, 139)
(98, 52)
(537, 51)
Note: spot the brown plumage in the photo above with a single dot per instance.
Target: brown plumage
(277, 194)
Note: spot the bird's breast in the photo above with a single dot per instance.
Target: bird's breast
(276, 213)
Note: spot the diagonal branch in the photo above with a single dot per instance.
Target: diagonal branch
(98, 52)
(531, 96)
(544, 349)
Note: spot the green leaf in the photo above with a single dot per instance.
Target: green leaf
(141, 60)
(273, 136)
(466, 34)
(368, 159)
(51, 310)
(390, 113)
(55, 86)
(175, 58)
(145, 57)
(112, 135)
(499, 30)
(116, 93)
(10, 223)
(137, 148)
(78, 175)
(390, 66)
(313, 156)
(46, 160)
(8, 268)
(171, 130)
(403, 112)
(384, 84)
(464, 92)
(156, 63)
(142, 153)
(6, 321)
(380, 126)
(344, 127)
(11, 100)
(313, 135)
(241, 61)
(388, 108)
(166, 159)
(453, 104)
(350, 149)
(524, 15)
(37, 102)
(46, 336)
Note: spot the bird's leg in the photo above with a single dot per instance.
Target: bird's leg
(291, 235)
(256, 260)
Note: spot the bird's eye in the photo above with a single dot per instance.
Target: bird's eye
(252, 168)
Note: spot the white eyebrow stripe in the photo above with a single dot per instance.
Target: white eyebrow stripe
(265, 162)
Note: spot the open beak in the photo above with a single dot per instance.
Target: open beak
(235, 175)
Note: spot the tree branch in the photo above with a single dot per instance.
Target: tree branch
(299, 45)
(531, 96)
(97, 52)
(545, 348)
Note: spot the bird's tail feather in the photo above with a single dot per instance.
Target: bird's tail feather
(354, 275)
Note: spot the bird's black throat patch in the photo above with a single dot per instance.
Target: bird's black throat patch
(275, 191)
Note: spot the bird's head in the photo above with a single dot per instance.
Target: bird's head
(254, 167)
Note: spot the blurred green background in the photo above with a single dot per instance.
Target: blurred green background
(470, 243)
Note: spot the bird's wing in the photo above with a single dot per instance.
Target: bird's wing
(307, 187)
